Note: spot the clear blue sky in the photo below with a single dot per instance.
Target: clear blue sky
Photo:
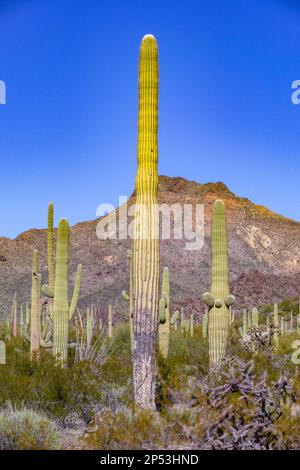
(68, 130)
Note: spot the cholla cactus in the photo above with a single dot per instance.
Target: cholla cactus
(218, 300)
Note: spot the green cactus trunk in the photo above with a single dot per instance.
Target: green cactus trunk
(35, 320)
(110, 322)
(218, 325)
(50, 247)
(245, 322)
(254, 319)
(205, 324)
(14, 316)
(145, 248)
(2, 353)
(276, 326)
(192, 325)
(62, 311)
(164, 316)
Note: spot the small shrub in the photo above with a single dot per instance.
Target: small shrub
(24, 429)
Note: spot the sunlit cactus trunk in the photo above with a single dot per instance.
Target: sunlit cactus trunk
(145, 248)
(218, 300)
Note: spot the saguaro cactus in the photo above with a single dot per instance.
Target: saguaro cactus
(110, 322)
(14, 316)
(164, 315)
(2, 353)
(35, 320)
(276, 326)
(245, 322)
(218, 300)
(145, 248)
(50, 247)
(254, 320)
(192, 324)
(128, 297)
(205, 324)
(62, 310)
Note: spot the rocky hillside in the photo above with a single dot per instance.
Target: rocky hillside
(264, 254)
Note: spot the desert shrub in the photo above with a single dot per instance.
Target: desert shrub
(125, 430)
(82, 387)
(23, 429)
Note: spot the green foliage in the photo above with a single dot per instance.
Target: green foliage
(23, 429)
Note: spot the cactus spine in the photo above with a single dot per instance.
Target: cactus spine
(145, 248)
(218, 301)
(62, 311)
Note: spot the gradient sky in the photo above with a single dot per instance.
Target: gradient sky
(68, 131)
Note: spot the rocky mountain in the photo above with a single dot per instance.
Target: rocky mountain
(264, 255)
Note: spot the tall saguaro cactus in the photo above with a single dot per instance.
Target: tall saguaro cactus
(145, 247)
(62, 310)
(218, 300)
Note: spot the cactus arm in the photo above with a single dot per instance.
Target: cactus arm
(162, 311)
(230, 301)
(47, 291)
(174, 317)
(75, 292)
(208, 299)
(125, 295)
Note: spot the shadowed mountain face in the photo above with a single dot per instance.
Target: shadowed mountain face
(264, 255)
